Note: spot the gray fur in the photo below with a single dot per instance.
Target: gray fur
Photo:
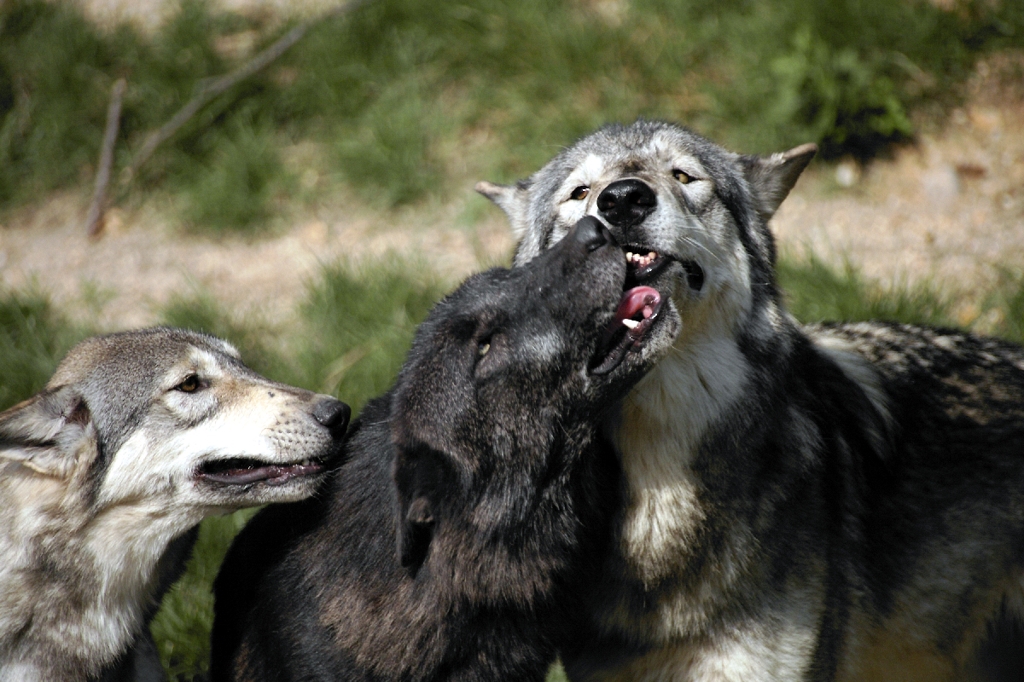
(838, 502)
(112, 464)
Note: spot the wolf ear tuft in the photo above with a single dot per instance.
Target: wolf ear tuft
(772, 177)
(417, 477)
(45, 433)
(512, 199)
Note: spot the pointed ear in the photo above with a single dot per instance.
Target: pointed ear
(418, 476)
(514, 200)
(771, 177)
(45, 433)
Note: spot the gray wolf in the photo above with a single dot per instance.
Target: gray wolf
(136, 437)
(474, 499)
(834, 502)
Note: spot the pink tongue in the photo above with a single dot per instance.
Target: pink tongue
(635, 300)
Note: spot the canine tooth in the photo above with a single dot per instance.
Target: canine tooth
(652, 255)
(629, 255)
(631, 324)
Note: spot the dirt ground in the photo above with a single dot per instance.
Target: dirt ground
(949, 208)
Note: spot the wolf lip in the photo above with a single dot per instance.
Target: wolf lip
(643, 264)
(242, 471)
(635, 315)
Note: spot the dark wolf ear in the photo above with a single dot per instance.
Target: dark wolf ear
(514, 200)
(418, 478)
(45, 433)
(771, 177)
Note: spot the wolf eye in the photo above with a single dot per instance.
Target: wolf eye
(681, 176)
(189, 385)
(580, 192)
(483, 348)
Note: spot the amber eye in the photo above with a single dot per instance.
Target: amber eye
(681, 176)
(580, 192)
(189, 385)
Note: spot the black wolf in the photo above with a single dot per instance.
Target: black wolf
(475, 502)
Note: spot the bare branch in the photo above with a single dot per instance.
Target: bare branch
(215, 86)
(94, 219)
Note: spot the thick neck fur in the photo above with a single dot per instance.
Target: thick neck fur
(663, 423)
(668, 424)
(704, 483)
(79, 579)
(548, 519)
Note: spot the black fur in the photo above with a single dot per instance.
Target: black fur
(474, 506)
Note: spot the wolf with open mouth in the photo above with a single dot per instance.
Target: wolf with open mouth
(834, 502)
(137, 437)
(477, 494)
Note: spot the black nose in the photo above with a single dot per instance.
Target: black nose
(333, 414)
(590, 232)
(626, 202)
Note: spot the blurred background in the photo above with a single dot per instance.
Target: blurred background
(312, 211)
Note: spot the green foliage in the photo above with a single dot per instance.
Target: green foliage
(557, 674)
(845, 74)
(254, 339)
(359, 324)
(33, 339)
(1007, 304)
(815, 292)
(234, 190)
(182, 626)
(388, 155)
(396, 91)
(51, 114)
(56, 72)
(839, 97)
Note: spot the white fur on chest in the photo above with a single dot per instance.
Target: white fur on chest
(664, 421)
(73, 586)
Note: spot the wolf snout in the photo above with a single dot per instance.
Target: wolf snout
(592, 234)
(332, 414)
(626, 202)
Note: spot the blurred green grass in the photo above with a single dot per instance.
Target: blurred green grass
(349, 339)
(396, 93)
(34, 336)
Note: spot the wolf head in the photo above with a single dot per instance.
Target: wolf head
(509, 378)
(172, 421)
(692, 216)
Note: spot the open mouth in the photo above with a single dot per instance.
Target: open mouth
(643, 264)
(640, 305)
(244, 471)
(634, 317)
